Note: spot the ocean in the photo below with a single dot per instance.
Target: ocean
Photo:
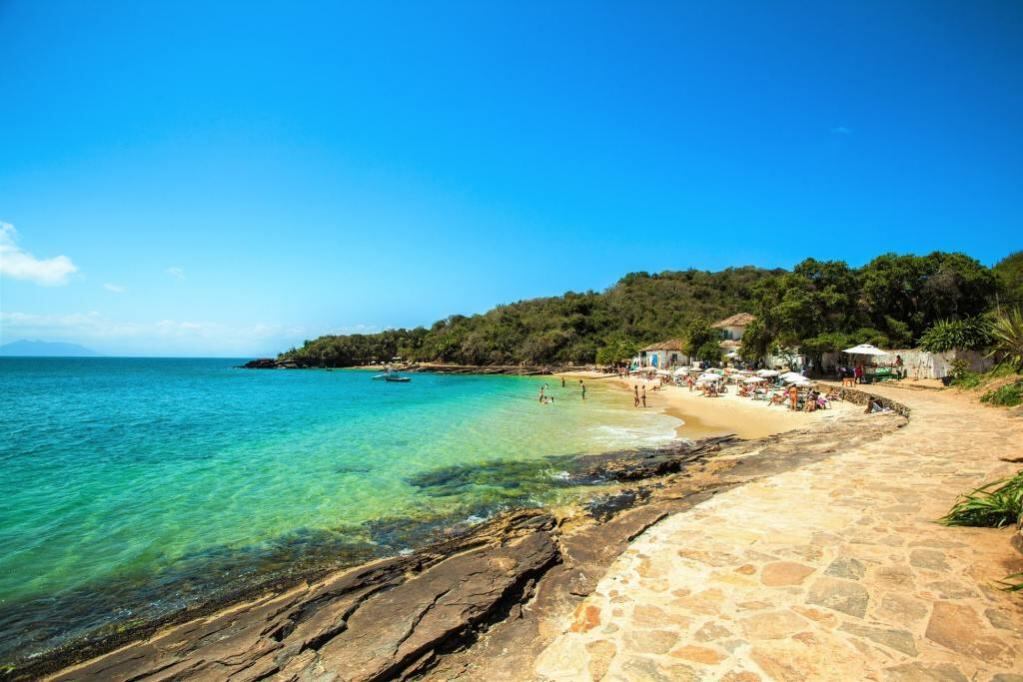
(133, 488)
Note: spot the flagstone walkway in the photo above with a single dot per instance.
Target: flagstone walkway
(834, 571)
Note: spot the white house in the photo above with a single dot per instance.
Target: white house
(662, 354)
(732, 328)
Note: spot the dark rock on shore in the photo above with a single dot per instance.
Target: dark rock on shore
(260, 363)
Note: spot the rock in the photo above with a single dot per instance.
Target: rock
(839, 595)
(378, 622)
(601, 654)
(920, 672)
(699, 654)
(959, 628)
(783, 573)
(772, 625)
(930, 559)
(900, 640)
(846, 567)
(261, 363)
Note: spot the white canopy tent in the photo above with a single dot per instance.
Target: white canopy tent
(866, 349)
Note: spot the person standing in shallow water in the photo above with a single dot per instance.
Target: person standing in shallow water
(563, 382)
(582, 387)
(635, 395)
(644, 396)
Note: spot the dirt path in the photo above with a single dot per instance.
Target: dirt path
(836, 570)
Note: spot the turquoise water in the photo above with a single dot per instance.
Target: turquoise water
(134, 487)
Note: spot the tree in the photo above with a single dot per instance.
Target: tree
(1009, 273)
(756, 341)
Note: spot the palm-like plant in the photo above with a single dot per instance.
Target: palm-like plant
(1008, 338)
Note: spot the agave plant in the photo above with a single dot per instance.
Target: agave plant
(996, 504)
(1008, 338)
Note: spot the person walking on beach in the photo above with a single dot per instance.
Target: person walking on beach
(582, 387)
(635, 395)
(644, 396)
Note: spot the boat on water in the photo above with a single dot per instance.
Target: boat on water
(392, 376)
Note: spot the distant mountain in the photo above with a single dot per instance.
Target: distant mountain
(25, 348)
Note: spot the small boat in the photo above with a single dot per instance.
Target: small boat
(392, 376)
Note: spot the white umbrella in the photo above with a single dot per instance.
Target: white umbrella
(865, 349)
(680, 372)
(793, 378)
(663, 373)
(709, 377)
(755, 380)
(768, 373)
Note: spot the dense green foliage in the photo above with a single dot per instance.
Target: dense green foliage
(971, 333)
(819, 306)
(1009, 273)
(639, 310)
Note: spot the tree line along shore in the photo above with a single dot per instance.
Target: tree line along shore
(818, 307)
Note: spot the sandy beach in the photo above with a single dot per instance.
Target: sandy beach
(704, 417)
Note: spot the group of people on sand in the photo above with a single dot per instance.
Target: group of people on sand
(549, 399)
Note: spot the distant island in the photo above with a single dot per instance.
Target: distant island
(37, 349)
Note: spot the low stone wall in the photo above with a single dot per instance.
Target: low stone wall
(860, 397)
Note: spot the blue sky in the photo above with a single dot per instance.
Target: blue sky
(232, 179)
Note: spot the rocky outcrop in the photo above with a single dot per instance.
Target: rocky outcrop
(260, 363)
(380, 622)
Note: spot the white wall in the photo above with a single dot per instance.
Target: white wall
(919, 364)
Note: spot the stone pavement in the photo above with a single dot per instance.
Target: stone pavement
(834, 571)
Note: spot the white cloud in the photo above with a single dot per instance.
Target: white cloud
(115, 288)
(841, 130)
(19, 264)
(176, 272)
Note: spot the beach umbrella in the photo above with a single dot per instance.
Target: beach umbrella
(768, 373)
(865, 349)
(794, 378)
(663, 373)
(709, 377)
(755, 380)
(680, 372)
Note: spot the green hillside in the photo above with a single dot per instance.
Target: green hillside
(819, 305)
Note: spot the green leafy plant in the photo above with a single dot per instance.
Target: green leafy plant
(1012, 583)
(972, 333)
(993, 505)
(1009, 395)
(1008, 338)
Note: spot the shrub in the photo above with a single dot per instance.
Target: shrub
(1009, 395)
(993, 505)
(973, 333)
(1008, 338)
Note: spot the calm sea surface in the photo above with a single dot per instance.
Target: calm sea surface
(130, 488)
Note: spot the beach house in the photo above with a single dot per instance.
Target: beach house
(732, 328)
(662, 354)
